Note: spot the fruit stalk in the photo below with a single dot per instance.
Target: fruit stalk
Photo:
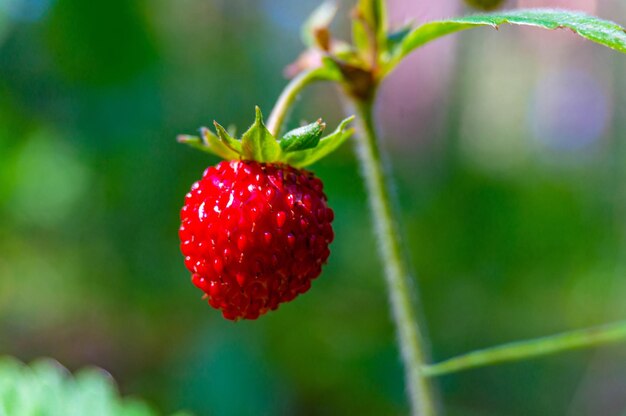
(402, 293)
(285, 102)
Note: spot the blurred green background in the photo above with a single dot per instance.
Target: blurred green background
(509, 150)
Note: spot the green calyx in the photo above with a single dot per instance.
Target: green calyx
(299, 147)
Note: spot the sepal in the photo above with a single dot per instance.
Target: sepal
(225, 137)
(208, 142)
(326, 146)
(302, 138)
(299, 147)
(258, 143)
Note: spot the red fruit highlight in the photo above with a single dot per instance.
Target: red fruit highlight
(254, 235)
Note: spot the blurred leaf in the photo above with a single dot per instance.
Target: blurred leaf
(379, 19)
(597, 30)
(395, 38)
(360, 36)
(258, 143)
(369, 27)
(47, 388)
(330, 70)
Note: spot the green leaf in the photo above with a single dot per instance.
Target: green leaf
(11, 379)
(330, 71)
(326, 146)
(230, 142)
(395, 38)
(47, 388)
(302, 138)
(369, 27)
(53, 381)
(360, 36)
(258, 143)
(597, 30)
(380, 19)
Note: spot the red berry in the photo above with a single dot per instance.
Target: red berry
(254, 235)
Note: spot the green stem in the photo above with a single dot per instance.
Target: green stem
(401, 293)
(522, 350)
(287, 98)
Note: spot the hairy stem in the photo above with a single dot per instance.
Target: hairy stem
(401, 292)
(287, 98)
(538, 347)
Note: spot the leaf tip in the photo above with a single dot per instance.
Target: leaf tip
(258, 115)
(346, 121)
(221, 131)
(185, 138)
(204, 133)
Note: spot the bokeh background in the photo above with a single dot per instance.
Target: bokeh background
(509, 150)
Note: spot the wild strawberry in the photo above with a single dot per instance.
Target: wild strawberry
(254, 235)
(256, 229)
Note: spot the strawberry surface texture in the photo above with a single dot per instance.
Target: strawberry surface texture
(254, 235)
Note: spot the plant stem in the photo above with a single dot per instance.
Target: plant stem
(289, 95)
(401, 294)
(538, 347)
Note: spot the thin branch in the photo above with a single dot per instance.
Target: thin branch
(522, 350)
